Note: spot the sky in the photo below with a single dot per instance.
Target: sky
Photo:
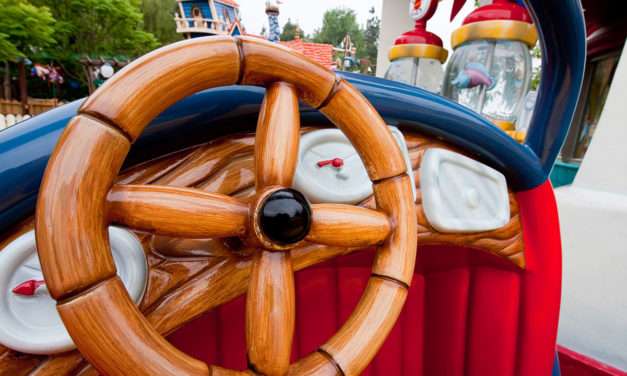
(308, 14)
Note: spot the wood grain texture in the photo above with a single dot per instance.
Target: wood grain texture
(397, 257)
(347, 226)
(154, 82)
(13, 363)
(150, 171)
(168, 274)
(200, 166)
(135, 346)
(277, 137)
(61, 364)
(214, 286)
(189, 277)
(366, 130)
(72, 236)
(177, 211)
(265, 63)
(270, 313)
(361, 336)
(314, 364)
(219, 371)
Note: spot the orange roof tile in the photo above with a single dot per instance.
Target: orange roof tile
(319, 52)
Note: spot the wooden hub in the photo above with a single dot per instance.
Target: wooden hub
(285, 217)
(281, 219)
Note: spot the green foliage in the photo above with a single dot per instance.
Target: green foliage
(291, 30)
(99, 27)
(158, 19)
(536, 73)
(336, 24)
(24, 29)
(8, 51)
(341, 21)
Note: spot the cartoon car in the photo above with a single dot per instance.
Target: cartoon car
(417, 239)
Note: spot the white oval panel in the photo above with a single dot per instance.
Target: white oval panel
(31, 324)
(462, 195)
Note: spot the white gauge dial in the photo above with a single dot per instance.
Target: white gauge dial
(330, 170)
(29, 321)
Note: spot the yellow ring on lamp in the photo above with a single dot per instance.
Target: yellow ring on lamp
(497, 29)
(504, 125)
(518, 136)
(427, 51)
(510, 129)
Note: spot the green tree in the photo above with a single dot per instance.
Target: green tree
(107, 28)
(291, 31)
(158, 19)
(100, 27)
(24, 29)
(536, 73)
(336, 24)
(8, 50)
(371, 39)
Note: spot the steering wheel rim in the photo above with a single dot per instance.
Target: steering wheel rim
(74, 250)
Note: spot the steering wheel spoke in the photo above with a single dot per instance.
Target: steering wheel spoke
(277, 138)
(85, 164)
(175, 211)
(348, 226)
(270, 310)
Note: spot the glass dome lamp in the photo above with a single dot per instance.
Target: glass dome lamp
(417, 55)
(490, 70)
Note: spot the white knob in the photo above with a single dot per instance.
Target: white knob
(471, 196)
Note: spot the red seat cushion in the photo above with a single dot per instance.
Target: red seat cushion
(468, 312)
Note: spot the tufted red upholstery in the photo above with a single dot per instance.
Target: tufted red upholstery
(468, 312)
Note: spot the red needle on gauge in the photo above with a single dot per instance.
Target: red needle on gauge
(28, 288)
(335, 162)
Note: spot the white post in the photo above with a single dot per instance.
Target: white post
(395, 21)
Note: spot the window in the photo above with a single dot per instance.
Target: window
(598, 79)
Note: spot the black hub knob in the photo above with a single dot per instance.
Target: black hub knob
(285, 217)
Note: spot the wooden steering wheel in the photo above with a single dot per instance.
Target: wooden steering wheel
(78, 202)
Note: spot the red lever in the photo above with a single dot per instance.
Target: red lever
(335, 162)
(28, 288)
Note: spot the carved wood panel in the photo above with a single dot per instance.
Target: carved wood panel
(188, 277)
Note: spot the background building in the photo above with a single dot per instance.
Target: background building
(208, 17)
